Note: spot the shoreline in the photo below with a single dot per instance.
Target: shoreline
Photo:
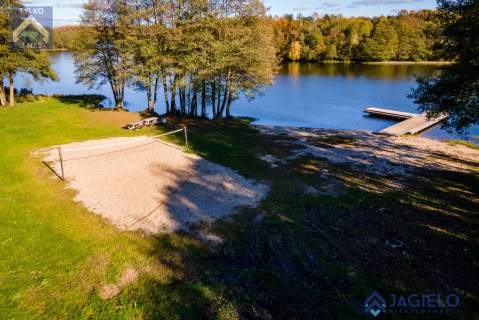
(432, 63)
(472, 143)
(330, 61)
(408, 63)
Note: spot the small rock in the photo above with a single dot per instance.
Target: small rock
(272, 160)
(394, 244)
(210, 237)
(311, 190)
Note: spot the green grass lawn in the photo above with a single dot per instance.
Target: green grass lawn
(54, 254)
(296, 256)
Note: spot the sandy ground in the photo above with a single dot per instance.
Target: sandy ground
(375, 153)
(148, 185)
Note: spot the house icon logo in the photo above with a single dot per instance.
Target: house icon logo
(374, 305)
(32, 28)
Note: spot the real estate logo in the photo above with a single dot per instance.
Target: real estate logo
(32, 28)
(414, 303)
(374, 305)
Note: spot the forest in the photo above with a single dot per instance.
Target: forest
(407, 36)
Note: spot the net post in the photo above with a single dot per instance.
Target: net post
(186, 138)
(61, 162)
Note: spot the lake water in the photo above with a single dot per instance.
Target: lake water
(303, 95)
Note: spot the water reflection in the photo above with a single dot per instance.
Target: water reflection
(392, 72)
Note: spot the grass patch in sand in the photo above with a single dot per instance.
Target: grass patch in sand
(463, 143)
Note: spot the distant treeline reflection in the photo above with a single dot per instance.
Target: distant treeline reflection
(354, 70)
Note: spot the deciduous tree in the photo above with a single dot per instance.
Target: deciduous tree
(103, 53)
(456, 90)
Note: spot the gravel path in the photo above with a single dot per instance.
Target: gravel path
(152, 186)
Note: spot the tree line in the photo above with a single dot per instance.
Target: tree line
(407, 36)
(197, 56)
(14, 60)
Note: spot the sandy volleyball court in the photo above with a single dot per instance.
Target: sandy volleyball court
(149, 185)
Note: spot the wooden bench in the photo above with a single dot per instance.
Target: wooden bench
(143, 123)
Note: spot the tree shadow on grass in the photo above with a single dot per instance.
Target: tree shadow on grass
(89, 101)
(179, 299)
(302, 255)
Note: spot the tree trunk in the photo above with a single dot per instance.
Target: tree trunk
(225, 98)
(119, 103)
(194, 104)
(12, 89)
(189, 101)
(118, 89)
(173, 96)
(3, 97)
(155, 91)
(181, 94)
(151, 104)
(213, 98)
(228, 105)
(218, 102)
(183, 97)
(149, 97)
(203, 100)
(165, 91)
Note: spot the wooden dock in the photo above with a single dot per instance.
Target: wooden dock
(412, 123)
(390, 114)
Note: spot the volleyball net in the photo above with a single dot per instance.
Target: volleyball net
(65, 154)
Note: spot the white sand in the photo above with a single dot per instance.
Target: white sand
(145, 184)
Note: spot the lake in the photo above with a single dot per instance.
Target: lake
(304, 94)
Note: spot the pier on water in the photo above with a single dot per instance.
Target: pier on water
(411, 123)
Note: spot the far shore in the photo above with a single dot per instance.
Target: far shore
(409, 62)
(436, 63)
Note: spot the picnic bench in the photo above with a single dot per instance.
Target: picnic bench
(143, 123)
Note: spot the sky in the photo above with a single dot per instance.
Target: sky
(67, 12)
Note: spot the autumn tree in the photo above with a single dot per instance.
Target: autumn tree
(409, 35)
(382, 46)
(64, 37)
(145, 35)
(103, 53)
(209, 53)
(455, 91)
(294, 53)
